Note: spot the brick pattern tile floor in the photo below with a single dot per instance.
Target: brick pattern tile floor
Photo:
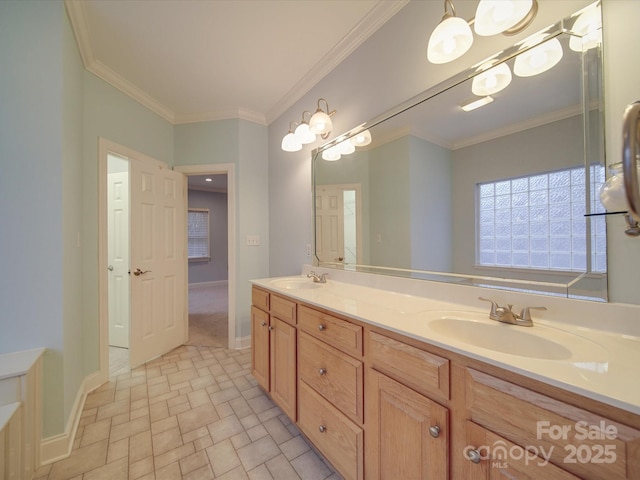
(195, 413)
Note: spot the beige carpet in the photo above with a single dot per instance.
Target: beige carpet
(208, 316)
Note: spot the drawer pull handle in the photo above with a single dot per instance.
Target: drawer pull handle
(322, 371)
(321, 327)
(434, 431)
(474, 456)
(322, 428)
(270, 328)
(264, 324)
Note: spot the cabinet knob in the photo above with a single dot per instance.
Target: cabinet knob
(474, 456)
(321, 327)
(264, 324)
(434, 430)
(270, 327)
(322, 428)
(322, 371)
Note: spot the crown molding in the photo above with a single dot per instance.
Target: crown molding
(376, 17)
(128, 88)
(78, 20)
(231, 113)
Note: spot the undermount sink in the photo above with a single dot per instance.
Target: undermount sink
(540, 342)
(295, 283)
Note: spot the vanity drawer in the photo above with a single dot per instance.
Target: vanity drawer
(339, 333)
(283, 308)
(423, 371)
(583, 443)
(339, 439)
(260, 299)
(335, 375)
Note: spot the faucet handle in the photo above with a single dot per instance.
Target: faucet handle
(494, 305)
(526, 314)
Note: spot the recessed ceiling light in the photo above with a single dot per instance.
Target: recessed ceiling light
(208, 179)
(477, 103)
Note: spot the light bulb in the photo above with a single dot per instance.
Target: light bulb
(320, 123)
(361, 139)
(290, 143)
(491, 80)
(346, 147)
(303, 134)
(450, 40)
(538, 59)
(496, 16)
(331, 154)
(587, 30)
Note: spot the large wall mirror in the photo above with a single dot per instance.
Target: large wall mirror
(504, 195)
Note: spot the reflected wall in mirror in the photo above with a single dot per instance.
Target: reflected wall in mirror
(498, 196)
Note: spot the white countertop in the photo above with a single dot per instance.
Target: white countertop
(602, 365)
(15, 364)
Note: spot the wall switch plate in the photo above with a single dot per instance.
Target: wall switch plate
(253, 240)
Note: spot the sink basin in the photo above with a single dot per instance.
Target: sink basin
(500, 338)
(300, 283)
(540, 342)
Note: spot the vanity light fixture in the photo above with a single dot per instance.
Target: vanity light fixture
(491, 80)
(320, 123)
(476, 103)
(539, 58)
(345, 147)
(290, 142)
(587, 29)
(453, 36)
(305, 132)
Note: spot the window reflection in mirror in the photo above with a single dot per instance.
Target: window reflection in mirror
(417, 211)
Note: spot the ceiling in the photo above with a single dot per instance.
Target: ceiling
(201, 60)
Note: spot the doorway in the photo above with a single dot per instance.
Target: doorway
(208, 270)
(227, 169)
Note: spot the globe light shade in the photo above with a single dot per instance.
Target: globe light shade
(587, 30)
(538, 59)
(361, 139)
(290, 143)
(492, 80)
(450, 40)
(346, 147)
(320, 123)
(331, 154)
(496, 16)
(303, 134)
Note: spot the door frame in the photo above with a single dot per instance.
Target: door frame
(229, 170)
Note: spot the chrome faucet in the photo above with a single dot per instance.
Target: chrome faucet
(317, 279)
(506, 315)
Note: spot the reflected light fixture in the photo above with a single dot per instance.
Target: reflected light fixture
(476, 103)
(491, 80)
(320, 122)
(331, 154)
(539, 58)
(451, 38)
(290, 142)
(498, 16)
(361, 139)
(587, 30)
(345, 147)
(303, 133)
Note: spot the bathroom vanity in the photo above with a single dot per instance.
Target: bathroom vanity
(390, 385)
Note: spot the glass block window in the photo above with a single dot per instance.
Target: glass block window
(538, 222)
(198, 234)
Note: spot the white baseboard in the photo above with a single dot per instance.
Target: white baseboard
(243, 342)
(59, 446)
(214, 283)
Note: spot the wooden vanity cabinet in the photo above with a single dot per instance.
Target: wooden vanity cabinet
(274, 348)
(382, 406)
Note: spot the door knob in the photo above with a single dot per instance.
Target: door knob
(110, 268)
(137, 272)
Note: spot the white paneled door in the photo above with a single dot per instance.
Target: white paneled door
(118, 212)
(158, 266)
(329, 224)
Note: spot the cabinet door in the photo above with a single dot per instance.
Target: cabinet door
(260, 346)
(283, 366)
(401, 442)
(488, 456)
